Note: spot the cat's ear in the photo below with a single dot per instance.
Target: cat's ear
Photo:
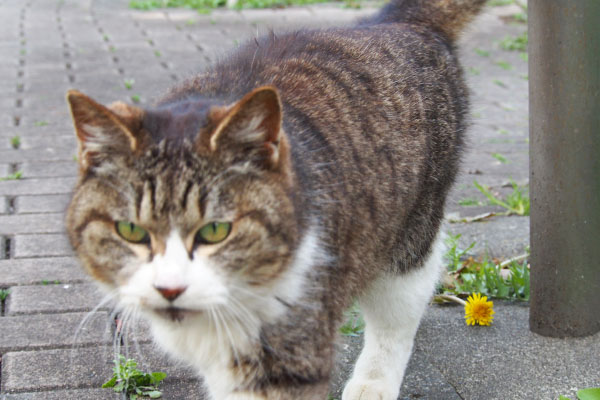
(252, 125)
(102, 132)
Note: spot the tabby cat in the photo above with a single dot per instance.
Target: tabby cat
(255, 202)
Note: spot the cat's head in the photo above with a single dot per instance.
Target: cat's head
(189, 206)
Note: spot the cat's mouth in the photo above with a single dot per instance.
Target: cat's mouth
(175, 313)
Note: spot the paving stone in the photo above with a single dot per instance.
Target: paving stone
(50, 169)
(31, 271)
(66, 143)
(3, 205)
(501, 237)
(47, 154)
(34, 332)
(47, 245)
(51, 203)
(4, 170)
(75, 394)
(506, 360)
(32, 223)
(56, 369)
(52, 298)
(422, 380)
(84, 367)
(60, 185)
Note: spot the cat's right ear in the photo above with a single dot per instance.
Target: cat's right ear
(100, 131)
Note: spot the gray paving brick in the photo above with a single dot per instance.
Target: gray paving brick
(51, 203)
(56, 369)
(26, 186)
(4, 169)
(50, 169)
(46, 154)
(510, 236)
(43, 130)
(3, 205)
(30, 271)
(66, 143)
(47, 245)
(32, 223)
(84, 367)
(75, 394)
(34, 332)
(51, 298)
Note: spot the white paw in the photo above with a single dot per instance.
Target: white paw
(369, 390)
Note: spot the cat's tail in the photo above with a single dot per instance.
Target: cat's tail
(446, 16)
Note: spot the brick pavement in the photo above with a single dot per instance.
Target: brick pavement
(100, 47)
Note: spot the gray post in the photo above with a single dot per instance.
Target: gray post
(564, 92)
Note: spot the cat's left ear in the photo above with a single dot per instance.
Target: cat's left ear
(252, 125)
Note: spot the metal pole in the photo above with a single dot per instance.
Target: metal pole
(564, 92)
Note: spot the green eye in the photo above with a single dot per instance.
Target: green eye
(213, 232)
(132, 233)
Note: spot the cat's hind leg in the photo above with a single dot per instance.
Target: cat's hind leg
(392, 307)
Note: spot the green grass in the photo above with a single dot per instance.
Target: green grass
(132, 382)
(500, 158)
(4, 294)
(354, 324)
(136, 98)
(470, 202)
(585, 394)
(500, 83)
(482, 53)
(474, 71)
(504, 65)
(520, 17)
(516, 203)
(501, 280)
(128, 83)
(496, 3)
(15, 142)
(41, 123)
(12, 177)
(46, 282)
(516, 43)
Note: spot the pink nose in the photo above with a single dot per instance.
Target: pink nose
(170, 293)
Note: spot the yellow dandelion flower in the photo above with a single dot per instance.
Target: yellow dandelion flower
(478, 310)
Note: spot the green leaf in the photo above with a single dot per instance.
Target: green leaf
(158, 376)
(110, 383)
(155, 394)
(563, 398)
(589, 394)
(11, 177)
(482, 53)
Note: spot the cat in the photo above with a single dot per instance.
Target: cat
(245, 211)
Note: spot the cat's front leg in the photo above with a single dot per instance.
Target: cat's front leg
(317, 391)
(392, 308)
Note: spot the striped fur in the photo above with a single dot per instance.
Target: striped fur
(331, 153)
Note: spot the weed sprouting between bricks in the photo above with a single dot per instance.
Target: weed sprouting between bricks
(133, 383)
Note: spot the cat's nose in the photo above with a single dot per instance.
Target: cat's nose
(170, 293)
